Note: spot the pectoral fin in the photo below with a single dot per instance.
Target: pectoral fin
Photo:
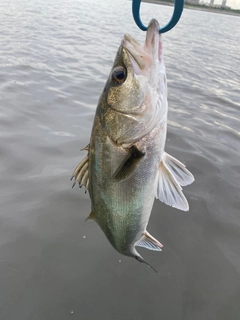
(171, 175)
(129, 164)
(149, 242)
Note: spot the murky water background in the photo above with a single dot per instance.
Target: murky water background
(55, 57)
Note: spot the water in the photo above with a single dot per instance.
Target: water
(55, 57)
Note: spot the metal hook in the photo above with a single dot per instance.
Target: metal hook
(178, 8)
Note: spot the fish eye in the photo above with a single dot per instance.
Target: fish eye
(119, 75)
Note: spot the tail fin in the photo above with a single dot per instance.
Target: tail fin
(140, 259)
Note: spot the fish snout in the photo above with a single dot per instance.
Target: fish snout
(153, 42)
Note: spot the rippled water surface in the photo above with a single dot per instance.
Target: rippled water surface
(55, 57)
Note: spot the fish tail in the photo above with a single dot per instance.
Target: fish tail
(140, 259)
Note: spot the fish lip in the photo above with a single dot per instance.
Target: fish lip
(153, 41)
(132, 56)
(134, 51)
(152, 31)
(142, 57)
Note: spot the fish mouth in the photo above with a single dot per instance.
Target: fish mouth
(144, 56)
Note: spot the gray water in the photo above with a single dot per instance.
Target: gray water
(55, 57)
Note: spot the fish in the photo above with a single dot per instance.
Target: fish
(126, 166)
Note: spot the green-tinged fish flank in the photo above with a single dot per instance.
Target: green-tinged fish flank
(126, 167)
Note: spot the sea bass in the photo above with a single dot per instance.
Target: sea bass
(126, 167)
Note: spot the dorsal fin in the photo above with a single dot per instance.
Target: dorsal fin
(90, 217)
(80, 173)
(86, 148)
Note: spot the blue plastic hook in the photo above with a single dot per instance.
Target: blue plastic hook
(178, 8)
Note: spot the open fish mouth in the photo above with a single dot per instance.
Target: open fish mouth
(144, 56)
(136, 53)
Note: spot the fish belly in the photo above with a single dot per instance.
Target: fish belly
(122, 208)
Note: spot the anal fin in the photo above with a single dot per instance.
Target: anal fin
(149, 242)
(129, 164)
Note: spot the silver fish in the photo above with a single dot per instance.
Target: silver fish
(126, 167)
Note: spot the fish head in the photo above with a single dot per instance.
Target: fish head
(126, 88)
(147, 59)
(136, 88)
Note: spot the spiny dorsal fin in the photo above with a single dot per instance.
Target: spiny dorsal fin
(90, 217)
(129, 164)
(86, 148)
(178, 170)
(81, 173)
(168, 189)
(149, 242)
